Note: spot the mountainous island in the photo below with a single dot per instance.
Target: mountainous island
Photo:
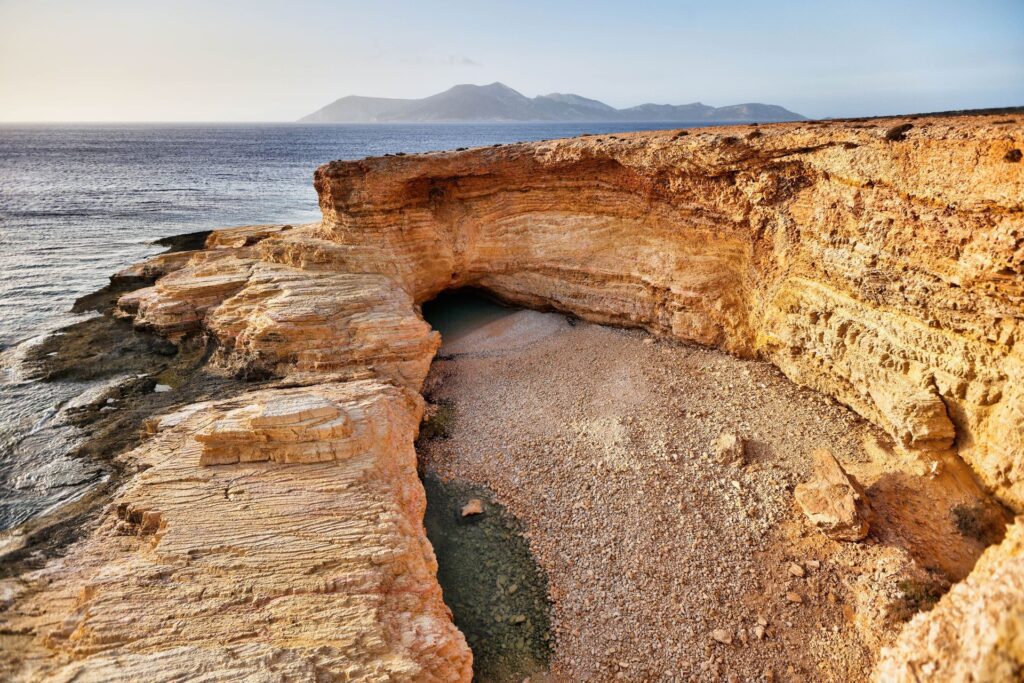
(498, 102)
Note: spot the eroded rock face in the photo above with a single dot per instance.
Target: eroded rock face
(885, 272)
(976, 632)
(261, 569)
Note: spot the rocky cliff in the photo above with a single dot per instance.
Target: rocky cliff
(884, 272)
(879, 262)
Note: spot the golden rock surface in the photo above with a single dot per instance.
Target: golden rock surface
(260, 569)
(976, 632)
(887, 274)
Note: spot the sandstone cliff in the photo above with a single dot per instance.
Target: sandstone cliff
(260, 568)
(884, 273)
(885, 270)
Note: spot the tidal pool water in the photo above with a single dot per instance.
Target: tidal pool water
(493, 587)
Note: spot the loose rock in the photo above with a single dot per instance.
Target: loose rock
(833, 501)
(475, 506)
(722, 636)
(730, 450)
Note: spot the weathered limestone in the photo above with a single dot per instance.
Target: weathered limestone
(884, 273)
(887, 273)
(256, 570)
(975, 633)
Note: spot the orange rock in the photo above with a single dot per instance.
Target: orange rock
(475, 506)
(889, 276)
(833, 501)
(319, 565)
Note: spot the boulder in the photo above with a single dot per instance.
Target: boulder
(833, 501)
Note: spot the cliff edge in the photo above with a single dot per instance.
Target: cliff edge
(879, 262)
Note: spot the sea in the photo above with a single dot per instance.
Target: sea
(79, 202)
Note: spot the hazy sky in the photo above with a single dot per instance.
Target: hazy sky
(152, 60)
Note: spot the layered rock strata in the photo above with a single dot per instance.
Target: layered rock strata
(262, 569)
(885, 271)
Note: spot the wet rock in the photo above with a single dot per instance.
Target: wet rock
(833, 501)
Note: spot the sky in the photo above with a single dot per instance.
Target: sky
(255, 60)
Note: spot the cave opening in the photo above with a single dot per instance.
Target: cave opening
(457, 313)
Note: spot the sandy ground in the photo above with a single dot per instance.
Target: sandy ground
(601, 441)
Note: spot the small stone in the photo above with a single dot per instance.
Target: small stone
(475, 506)
(796, 570)
(722, 636)
(813, 564)
(759, 632)
(517, 619)
(730, 450)
(161, 389)
(761, 621)
(794, 597)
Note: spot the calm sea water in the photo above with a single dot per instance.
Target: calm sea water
(78, 202)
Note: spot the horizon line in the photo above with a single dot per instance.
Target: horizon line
(1008, 109)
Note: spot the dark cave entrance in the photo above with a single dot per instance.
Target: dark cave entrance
(458, 312)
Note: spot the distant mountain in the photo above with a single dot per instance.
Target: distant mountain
(498, 102)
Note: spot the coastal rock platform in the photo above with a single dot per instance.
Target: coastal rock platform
(278, 534)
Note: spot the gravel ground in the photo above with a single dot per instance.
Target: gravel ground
(664, 564)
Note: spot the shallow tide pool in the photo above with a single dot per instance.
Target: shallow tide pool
(496, 592)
